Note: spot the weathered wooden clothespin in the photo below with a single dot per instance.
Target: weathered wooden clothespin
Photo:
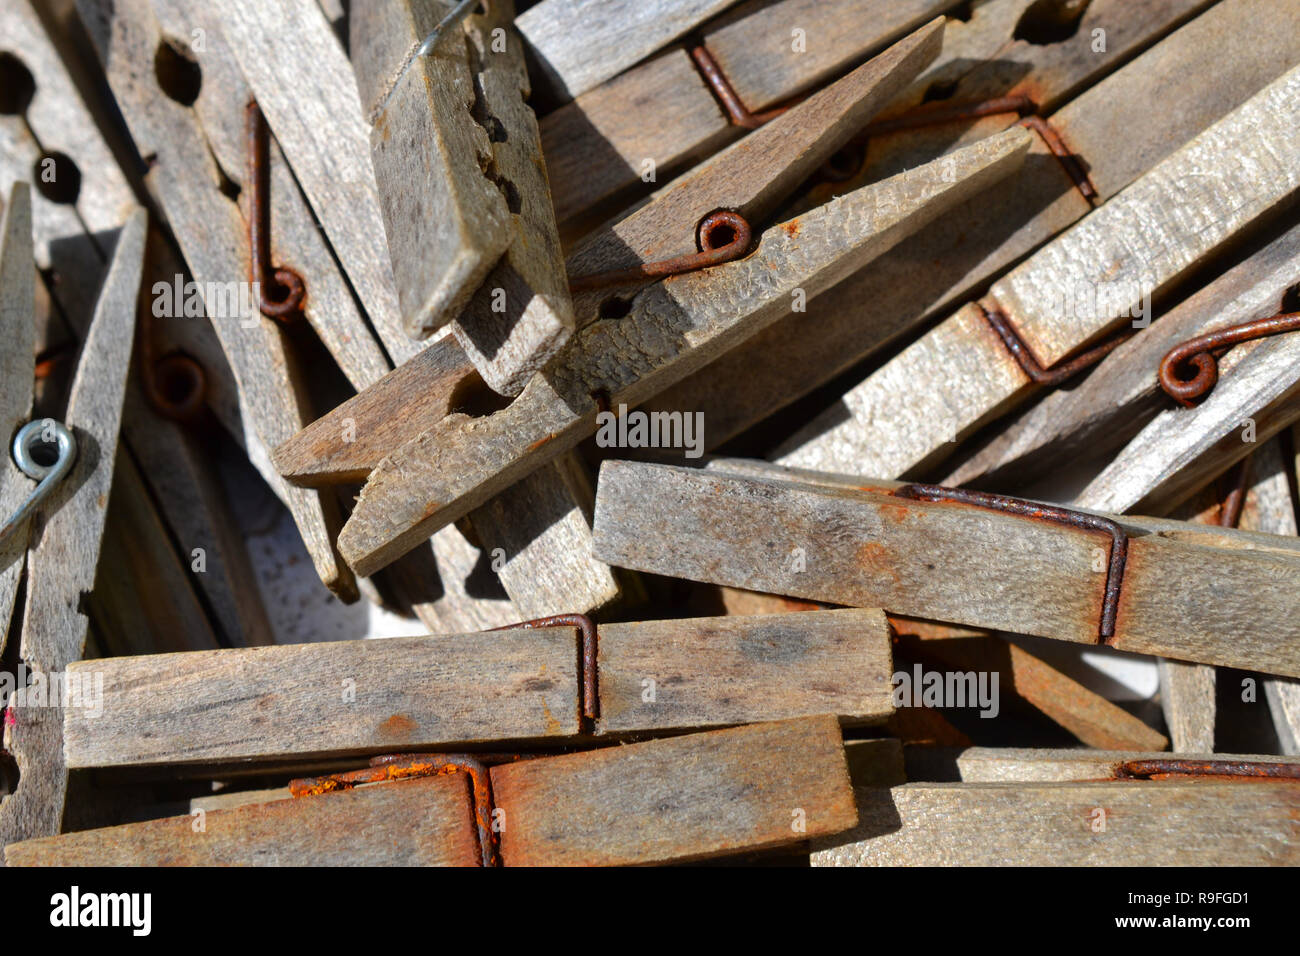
(1079, 808)
(1028, 331)
(548, 682)
(680, 321)
(981, 239)
(741, 72)
(1136, 584)
(685, 798)
(463, 184)
(63, 549)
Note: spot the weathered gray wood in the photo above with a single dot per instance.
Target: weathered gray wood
(538, 524)
(673, 327)
(335, 699)
(537, 533)
(1059, 824)
(732, 670)
(510, 340)
(303, 82)
(295, 238)
(684, 798)
(17, 367)
(1144, 240)
(565, 35)
(347, 443)
(1256, 41)
(446, 219)
(1269, 508)
(65, 548)
(143, 601)
(1122, 393)
(596, 146)
(933, 271)
(751, 176)
(423, 823)
(1016, 765)
(211, 233)
(870, 549)
(1258, 395)
(436, 580)
(1187, 700)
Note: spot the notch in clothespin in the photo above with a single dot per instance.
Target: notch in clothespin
(671, 323)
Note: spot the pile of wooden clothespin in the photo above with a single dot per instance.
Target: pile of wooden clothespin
(847, 432)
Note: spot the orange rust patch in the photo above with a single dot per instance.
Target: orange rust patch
(541, 441)
(791, 228)
(876, 558)
(398, 725)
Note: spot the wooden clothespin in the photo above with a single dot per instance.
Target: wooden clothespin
(214, 236)
(1131, 583)
(548, 683)
(740, 73)
(1078, 808)
(282, 48)
(985, 237)
(992, 354)
(674, 324)
(64, 549)
(463, 184)
(683, 798)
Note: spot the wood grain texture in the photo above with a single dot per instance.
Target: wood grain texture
(296, 241)
(1257, 41)
(1051, 824)
(766, 61)
(1121, 394)
(683, 798)
(211, 233)
(539, 524)
(407, 823)
(869, 549)
(346, 444)
(301, 78)
(510, 340)
(595, 146)
(143, 601)
(673, 327)
(441, 582)
(1163, 225)
(342, 698)
(538, 533)
(1187, 700)
(733, 670)
(1016, 765)
(17, 368)
(864, 549)
(939, 267)
(1257, 396)
(446, 220)
(65, 548)
(1147, 238)
(934, 393)
(1269, 508)
(562, 35)
(59, 122)
(753, 175)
